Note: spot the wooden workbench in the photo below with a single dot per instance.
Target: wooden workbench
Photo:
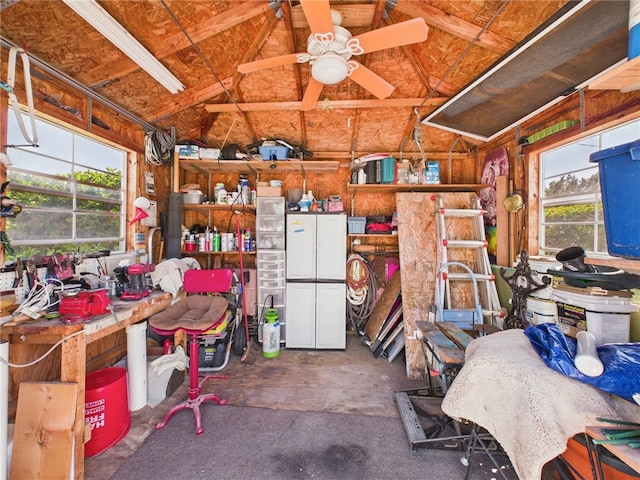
(29, 341)
(629, 456)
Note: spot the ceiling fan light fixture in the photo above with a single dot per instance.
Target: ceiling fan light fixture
(329, 68)
(336, 17)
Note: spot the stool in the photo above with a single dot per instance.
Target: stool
(195, 315)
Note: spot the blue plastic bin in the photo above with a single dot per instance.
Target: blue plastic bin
(619, 183)
(275, 152)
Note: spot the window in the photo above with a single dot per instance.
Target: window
(71, 189)
(570, 201)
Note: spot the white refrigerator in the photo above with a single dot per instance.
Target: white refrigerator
(316, 272)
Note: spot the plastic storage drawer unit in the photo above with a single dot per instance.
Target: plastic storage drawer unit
(619, 169)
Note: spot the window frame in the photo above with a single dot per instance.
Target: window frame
(128, 178)
(533, 171)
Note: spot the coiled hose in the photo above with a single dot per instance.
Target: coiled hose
(361, 291)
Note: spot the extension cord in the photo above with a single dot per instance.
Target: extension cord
(32, 312)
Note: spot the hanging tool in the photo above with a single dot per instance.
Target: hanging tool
(17, 281)
(50, 276)
(31, 274)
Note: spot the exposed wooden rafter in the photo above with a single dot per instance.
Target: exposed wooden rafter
(456, 26)
(337, 104)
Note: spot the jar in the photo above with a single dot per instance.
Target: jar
(221, 197)
(216, 191)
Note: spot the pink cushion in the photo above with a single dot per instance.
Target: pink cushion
(194, 314)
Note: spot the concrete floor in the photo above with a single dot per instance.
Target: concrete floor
(348, 382)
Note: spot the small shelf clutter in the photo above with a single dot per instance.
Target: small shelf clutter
(407, 187)
(254, 167)
(208, 207)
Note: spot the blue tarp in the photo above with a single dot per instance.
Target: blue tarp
(621, 360)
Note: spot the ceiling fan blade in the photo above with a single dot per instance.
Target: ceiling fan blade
(369, 80)
(318, 13)
(273, 62)
(403, 33)
(311, 95)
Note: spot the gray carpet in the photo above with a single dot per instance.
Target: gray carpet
(264, 444)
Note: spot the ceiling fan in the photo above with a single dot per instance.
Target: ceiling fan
(330, 48)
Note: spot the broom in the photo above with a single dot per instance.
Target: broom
(250, 352)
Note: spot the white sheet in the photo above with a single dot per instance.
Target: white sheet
(530, 409)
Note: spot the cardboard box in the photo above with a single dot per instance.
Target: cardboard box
(432, 173)
(268, 191)
(188, 152)
(209, 153)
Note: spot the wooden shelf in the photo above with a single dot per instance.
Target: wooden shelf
(372, 235)
(254, 167)
(378, 188)
(631, 266)
(233, 252)
(209, 207)
(625, 77)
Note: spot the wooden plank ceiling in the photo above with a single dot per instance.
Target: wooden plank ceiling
(203, 41)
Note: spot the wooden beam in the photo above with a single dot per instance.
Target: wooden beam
(212, 26)
(174, 43)
(337, 104)
(357, 15)
(188, 99)
(456, 26)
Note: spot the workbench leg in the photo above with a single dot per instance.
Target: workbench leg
(594, 458)
(73, 369)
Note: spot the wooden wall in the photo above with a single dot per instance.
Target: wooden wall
(594, 110)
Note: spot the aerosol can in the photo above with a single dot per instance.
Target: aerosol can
(271, 334)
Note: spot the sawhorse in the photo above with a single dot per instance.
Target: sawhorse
(443, 345)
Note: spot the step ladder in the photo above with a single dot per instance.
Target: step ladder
(466, 241)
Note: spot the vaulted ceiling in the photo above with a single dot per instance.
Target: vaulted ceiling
(202, 42)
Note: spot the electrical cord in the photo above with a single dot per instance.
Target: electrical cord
(39, 359)
(361, 291)
(158, 145)
(39, 297)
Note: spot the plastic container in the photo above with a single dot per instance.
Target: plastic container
(608, 318)
(276, 152)
(619, 169)
(541, 311)
(388, 174)
(106, 409)
(633, 49)
(355, 225)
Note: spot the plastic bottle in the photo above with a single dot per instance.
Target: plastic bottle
(304, 203)
(216, 192)
(216, 240)
(207, 240)
(222, 196)
(246, 192)
(247, 240)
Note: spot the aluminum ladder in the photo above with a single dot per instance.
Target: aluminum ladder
(470, 245)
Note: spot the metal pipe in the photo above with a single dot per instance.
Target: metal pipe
(77, 85)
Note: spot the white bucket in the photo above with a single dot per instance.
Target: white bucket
(541, 311)
(607, 317)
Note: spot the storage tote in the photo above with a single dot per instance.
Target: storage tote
(619, 169)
